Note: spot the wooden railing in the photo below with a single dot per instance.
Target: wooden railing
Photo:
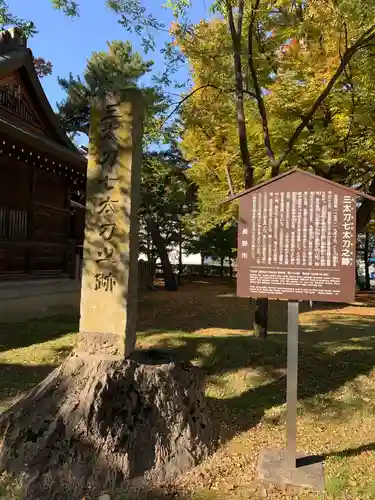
(33, 240)
(13, 224)
(12, 100)
(198, 270)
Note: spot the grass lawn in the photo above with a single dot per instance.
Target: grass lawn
(245, 376)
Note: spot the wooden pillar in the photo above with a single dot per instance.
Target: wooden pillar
(110, 259)
(30, 221)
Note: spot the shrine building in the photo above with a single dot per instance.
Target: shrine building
(42, 174)
(42, 181)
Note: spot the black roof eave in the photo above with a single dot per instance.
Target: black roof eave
(43, 145)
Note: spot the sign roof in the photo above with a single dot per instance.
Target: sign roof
(303, 172)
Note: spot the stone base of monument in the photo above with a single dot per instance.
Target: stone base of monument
(274, 468)
(96, 424)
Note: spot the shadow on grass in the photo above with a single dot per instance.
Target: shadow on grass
(160, 493)
(16, 379)
(17, 335)
(330, 355)
(205, 304)
(11, 488)
(349, 452)
(186, 312)
(21, 370)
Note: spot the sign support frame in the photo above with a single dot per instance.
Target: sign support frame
(288, 466)
(292, 384)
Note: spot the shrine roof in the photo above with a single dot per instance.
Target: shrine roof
(16, 58)
(44, 144)
(295, 171)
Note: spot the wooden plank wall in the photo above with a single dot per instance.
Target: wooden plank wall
(34, 221)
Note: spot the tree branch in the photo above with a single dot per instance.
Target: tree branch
(257, 89)
(229, 180)
(241, 6)
(204, 131)
(365, 210)
(250, 93)
(350, 126)
(202, 87)
(349, 53)
(83, 128)
(227, 167)
(232, 27)
(354, 101)
(318, 170)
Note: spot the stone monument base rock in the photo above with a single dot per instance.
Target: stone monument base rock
(96, 424)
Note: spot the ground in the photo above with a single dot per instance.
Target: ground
(206, 323)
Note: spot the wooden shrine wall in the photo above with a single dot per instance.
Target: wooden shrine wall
(34, 221)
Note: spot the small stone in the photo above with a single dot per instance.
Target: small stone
(104, 497)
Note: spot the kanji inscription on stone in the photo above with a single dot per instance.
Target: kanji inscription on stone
(110, 263)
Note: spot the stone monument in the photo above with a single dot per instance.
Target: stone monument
(109, 416)
(110, 270)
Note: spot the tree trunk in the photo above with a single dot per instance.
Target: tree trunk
(365, 210)
(367, 265)
(169, 277)
(95, 424)
(357, 278)
(261, 305)
(261, 318)
(230, 268)
(236, 35)
(180, 255)
(202, 266)
(221, 267)
(149, 247)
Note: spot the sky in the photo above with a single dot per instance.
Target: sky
(68, 43)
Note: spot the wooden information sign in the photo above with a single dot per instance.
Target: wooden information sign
(297, 242)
